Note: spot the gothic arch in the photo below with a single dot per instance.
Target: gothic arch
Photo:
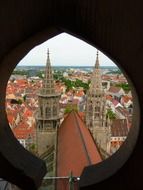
(92, 170)
(102, 26)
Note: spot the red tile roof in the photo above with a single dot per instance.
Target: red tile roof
(115, 102)
(76, 147)
(79, 93)
(82, 115)
(10, 118)
(119, 128)
(22, 131)
(108, 97)
(114, 89)
(126, 98)
(27, 113)
(123, 111)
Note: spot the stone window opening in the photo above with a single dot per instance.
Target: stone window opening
(83, 177)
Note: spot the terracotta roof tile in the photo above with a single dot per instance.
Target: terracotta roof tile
(76, 147)
(22, 131)
(114, 89)
(119, 128)
(126, 98)
(123, 111)
(108, 97)
(115, 102)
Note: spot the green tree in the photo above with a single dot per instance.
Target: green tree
(32, 148)
(110, 114)
(20, 72)
(68, 84)
(70, 108)
(24, 97)
(125, 86)
(19, 101)
(40, 74)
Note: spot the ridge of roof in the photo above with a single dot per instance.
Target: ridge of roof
(76, 148)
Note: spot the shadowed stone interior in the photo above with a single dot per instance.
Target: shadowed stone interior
(113, 27)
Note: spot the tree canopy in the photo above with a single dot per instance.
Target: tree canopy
(110, 114)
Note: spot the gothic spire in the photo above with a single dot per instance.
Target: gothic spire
(96, 80)
(96, 110)
(97, 61)
(48, 82)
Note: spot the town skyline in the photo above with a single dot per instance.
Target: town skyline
(66, 50)
(41, 104)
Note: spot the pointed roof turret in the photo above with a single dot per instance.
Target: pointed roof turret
(48, 81)
(48, 88)
(97, 61)
(96, 79)
(48, 71)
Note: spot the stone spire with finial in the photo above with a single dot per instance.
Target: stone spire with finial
(97, 61)
(96, 79)
(48, 113)
(95, 116)
(48, 81)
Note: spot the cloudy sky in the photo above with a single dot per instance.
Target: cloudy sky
(65, 50)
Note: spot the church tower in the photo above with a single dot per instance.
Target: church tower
(48, 116)
(96, 111)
